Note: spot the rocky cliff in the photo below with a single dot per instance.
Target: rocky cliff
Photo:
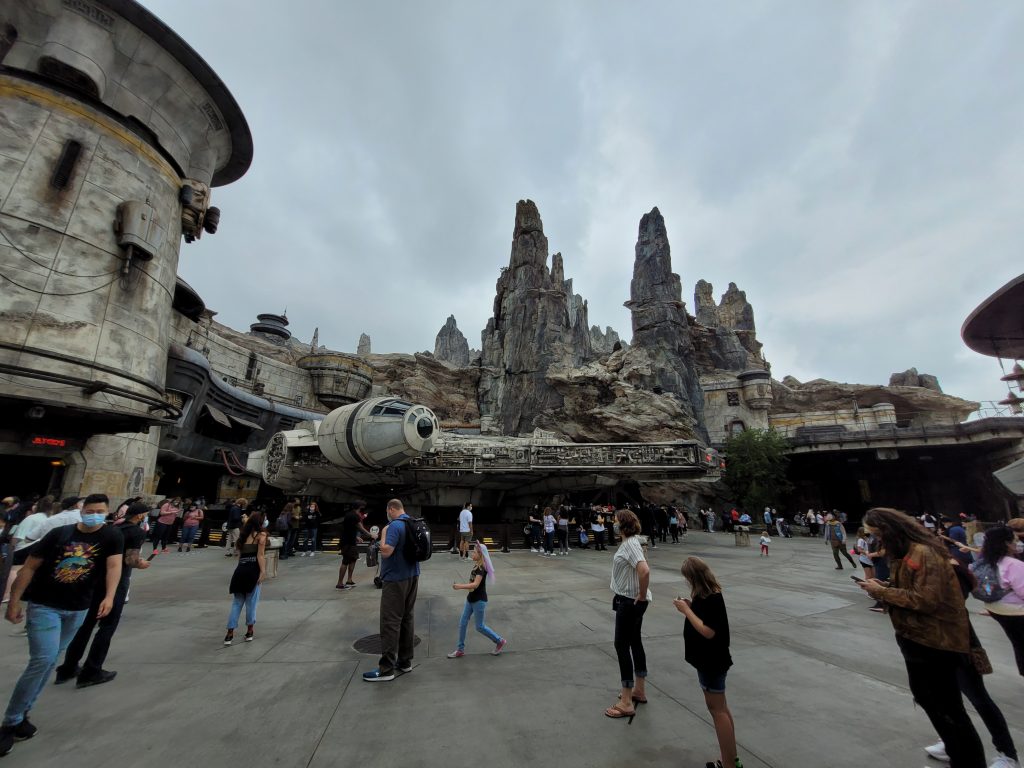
(661, 330)
(603, 343)
(911, 378)
(450, 392)
(451, 346)
(530, 332)
(914, 405)
(363, 348)
(724, 335)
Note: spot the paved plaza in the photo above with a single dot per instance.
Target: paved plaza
(817, 683)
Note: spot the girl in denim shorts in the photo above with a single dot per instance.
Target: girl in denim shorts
(706, 636)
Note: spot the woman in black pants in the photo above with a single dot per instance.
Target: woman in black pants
(972, 684)
(931, 624)
(630, 578)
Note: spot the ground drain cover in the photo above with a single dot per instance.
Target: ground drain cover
(371, 644)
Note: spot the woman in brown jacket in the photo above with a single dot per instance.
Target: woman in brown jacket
(928, 614)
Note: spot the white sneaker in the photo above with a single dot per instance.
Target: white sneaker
(312, 553)
(534, 550)
(938, 751)
(1004, 762)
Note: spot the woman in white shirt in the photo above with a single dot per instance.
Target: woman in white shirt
(549, 532)
(630, 578)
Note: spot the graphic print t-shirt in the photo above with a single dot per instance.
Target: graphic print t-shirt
(73, 565)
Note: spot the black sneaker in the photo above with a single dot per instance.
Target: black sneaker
(6, 739)
(97, 678)
(24, 730)
(63, 675)
(404, 667)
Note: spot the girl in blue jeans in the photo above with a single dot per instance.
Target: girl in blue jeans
(248, 575)
(476, 602)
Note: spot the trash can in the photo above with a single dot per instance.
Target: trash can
(742, 533)
(272, 554)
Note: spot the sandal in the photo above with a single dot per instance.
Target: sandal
(616, 712)
(636, 699)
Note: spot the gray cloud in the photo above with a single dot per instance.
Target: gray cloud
(855, 167)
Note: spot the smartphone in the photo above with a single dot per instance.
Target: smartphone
(151, 557)
(858, 579)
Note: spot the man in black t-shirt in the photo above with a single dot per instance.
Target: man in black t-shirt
(57, 583)
(351, 529)
(92, 672)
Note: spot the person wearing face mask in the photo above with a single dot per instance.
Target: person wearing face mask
(57, 584)
(248, 575)
(92, 672)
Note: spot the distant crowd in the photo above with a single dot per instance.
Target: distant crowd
(71, 563)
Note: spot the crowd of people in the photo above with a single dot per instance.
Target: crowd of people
(71, 566)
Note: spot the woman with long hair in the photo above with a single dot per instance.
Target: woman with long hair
(932, 629)
(248, 575)
(311, 522)
(476, 602)
(706, 636)
(998, 552)
(631, 576)
(190, 523)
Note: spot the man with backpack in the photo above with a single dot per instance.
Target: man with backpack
(400, 572)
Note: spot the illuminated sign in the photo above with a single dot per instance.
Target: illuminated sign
(49, 442)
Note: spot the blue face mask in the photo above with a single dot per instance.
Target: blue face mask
(91, 520)
(266, 522)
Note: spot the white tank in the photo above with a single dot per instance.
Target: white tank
(380, 432)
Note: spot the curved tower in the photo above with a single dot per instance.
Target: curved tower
(112, 133)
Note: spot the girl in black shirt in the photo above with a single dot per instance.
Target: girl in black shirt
(476, 603)
(706, 636)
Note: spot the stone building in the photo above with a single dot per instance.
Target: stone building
(113, 132)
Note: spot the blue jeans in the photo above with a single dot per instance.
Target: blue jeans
(50, 630)
(249, 601)
(188, 534)
(477, 610)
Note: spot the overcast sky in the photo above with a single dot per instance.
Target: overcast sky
(857, 168)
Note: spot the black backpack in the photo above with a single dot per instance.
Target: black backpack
(417, 546)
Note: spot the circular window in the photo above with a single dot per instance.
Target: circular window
(424, 427)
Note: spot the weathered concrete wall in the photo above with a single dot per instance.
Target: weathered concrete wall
(853, 420)
(60, 258)
(282, 380)
(726, 407)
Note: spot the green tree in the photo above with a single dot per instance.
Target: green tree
(755, 470)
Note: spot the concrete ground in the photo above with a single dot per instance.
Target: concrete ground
(817, 683)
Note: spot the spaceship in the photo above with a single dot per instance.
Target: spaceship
(386, 445)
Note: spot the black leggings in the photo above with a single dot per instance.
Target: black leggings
(629, 620)
(563, 540)
(1013, 626)
(973, 687)
(932, 675)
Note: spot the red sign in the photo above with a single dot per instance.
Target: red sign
(49, 442)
